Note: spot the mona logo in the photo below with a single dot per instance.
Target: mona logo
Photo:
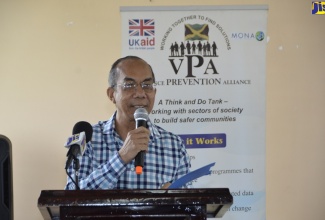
(318, 8)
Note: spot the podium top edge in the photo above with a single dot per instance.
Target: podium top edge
(128, 197)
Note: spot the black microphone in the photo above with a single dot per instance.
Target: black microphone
(82, 133)
(141, 117)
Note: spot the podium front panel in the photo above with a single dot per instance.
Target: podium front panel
(127, 204)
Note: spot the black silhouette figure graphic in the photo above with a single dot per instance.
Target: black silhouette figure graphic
(205, 49)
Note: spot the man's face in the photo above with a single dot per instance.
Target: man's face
(133, 71)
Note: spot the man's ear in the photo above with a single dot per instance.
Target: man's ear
(110, 93)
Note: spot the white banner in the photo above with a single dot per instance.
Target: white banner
(209, 64)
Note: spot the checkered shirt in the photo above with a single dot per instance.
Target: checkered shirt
(101, 167)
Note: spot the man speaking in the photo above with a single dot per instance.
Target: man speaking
(109, 159)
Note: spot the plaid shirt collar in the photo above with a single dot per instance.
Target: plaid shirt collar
(109, 127)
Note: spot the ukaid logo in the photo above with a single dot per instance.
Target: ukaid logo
(141, 34)
(318, 8)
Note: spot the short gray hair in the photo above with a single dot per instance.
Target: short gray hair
(113, 73)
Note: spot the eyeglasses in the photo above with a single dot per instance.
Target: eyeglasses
(132, 86)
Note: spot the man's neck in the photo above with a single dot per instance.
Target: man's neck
(123, 127)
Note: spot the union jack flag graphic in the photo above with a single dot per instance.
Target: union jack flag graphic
(141, 27)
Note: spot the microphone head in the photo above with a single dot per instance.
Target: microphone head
(83, 126)
(141, 114)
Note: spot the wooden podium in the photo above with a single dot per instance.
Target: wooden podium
(141, 204)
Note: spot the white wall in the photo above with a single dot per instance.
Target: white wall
(54, 60)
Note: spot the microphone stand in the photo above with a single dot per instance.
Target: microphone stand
(76, 167)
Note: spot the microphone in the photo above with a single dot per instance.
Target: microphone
(82, 132)
(141, 117)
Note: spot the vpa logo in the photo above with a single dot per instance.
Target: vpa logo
(193, 46)
(318, 8)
